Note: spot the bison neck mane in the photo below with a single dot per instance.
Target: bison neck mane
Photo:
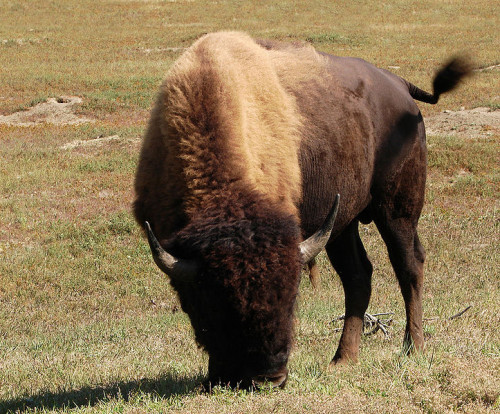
(225, 114)
(228, 118)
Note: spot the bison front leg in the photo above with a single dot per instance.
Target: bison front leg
(348, 257)
(313, 273)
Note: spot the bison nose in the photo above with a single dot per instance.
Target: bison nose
(277, 380)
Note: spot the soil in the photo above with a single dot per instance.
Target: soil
(467, 123)
(57, 111)
(96, 142)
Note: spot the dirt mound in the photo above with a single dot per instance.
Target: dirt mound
(57, 111)
(473, 123)
(96, 142)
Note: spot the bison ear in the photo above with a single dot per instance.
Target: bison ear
(311, 247)
(176, 269)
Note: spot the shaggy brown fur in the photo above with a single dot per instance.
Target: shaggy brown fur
(222, 99)
(247, 146)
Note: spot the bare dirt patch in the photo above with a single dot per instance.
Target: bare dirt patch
(18, 42)
(471, 123)
(97, 142)
(57, 111)
(161, 49)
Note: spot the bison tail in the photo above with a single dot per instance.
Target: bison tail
(447, 78)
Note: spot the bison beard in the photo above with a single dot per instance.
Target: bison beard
(247, 147)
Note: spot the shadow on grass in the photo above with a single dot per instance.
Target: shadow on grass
(163, 387)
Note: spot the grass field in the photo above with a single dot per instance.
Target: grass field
(87, 322)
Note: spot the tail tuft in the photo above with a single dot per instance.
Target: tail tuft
(450, 75)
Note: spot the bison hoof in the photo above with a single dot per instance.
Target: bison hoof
(341, 362)
(411, 346)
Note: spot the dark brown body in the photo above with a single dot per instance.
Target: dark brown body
(246, 149)
(366, 141)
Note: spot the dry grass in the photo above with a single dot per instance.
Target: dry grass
(87, 324)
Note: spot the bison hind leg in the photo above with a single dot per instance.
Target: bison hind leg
(407, 256)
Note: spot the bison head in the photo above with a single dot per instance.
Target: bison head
(237, 279)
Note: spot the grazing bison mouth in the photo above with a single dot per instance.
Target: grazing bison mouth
(249, 375)
(275, 380)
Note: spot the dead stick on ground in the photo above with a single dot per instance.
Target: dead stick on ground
(372, 322)
(437, 318)
(376, 324)
(460, 313)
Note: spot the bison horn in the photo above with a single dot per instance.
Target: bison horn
(311, 247)
(176, 269)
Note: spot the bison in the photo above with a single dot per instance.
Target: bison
(248, 146)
